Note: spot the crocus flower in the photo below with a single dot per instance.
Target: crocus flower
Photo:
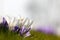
(5, 21)
(4, 25)
(24, 31)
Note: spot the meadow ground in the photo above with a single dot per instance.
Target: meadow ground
(34, 36)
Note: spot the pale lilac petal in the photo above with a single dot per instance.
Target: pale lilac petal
(4, 20)
(27, 34)
(22, 29)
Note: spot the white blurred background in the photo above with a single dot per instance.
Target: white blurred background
(42, 12)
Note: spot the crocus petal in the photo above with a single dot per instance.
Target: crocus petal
(16, 28)
(27, 34)
(22, 30)
(27, 30)
(4, 21)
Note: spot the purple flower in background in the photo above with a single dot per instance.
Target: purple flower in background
(46, 29)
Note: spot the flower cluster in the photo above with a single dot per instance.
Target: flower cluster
(20, 25)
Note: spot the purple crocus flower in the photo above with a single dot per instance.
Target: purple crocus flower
(4, 21)
(46, 29)
(4, 25)
(22, 31)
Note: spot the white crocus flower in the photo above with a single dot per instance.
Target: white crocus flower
(12, 23)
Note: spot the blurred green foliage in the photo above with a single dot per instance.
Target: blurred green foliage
(34, 36)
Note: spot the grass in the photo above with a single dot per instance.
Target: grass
(34, 36)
